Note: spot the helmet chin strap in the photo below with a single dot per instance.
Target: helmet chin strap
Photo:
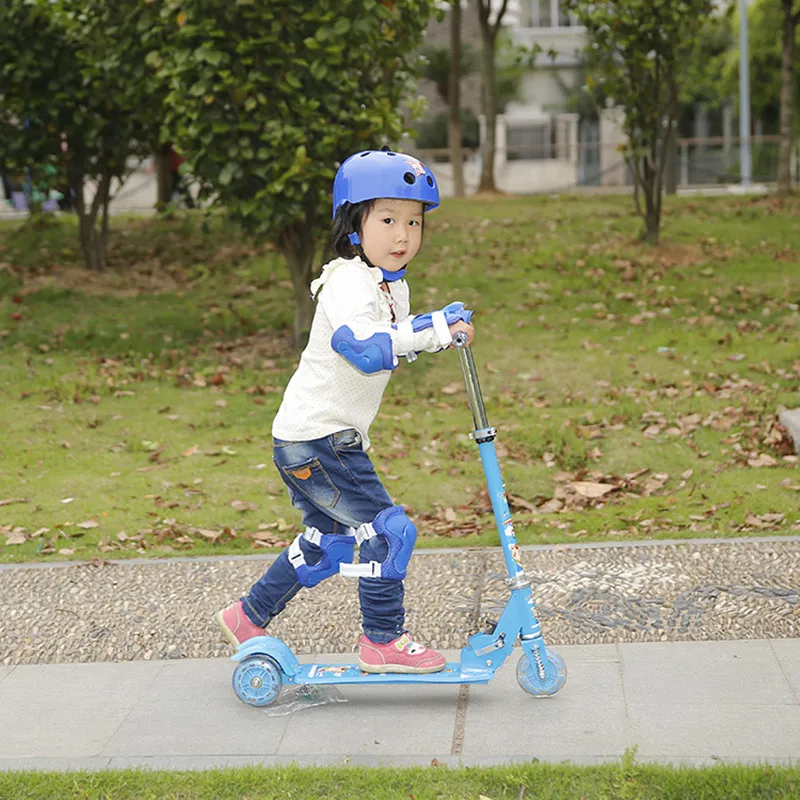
(355, 240)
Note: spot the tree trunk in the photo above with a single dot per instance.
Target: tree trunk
(487, 183)
(785, 148)
(298, 248)
(163, 177)
(93, 242)
(454, 126)
(645, 177)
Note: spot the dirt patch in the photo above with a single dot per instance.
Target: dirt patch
(133, 281)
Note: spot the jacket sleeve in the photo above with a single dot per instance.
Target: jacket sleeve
(351, 300)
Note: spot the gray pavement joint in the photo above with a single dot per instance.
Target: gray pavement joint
(124, 719)
(784, 671)
(459, 724)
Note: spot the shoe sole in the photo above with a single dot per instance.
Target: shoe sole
(382, 669)
(226, 631)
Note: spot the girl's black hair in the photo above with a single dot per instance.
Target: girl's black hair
(349, 219)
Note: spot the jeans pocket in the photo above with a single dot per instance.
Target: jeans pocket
(348, 439)
(313, 481)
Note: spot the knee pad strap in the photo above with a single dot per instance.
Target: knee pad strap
(336, 549)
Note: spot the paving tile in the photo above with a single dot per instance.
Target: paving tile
(68, 710)
(722, 673)
(192, 710)
(745, 732)
(585, 719)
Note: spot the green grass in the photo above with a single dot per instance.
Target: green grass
(144, 396)
(628, 780)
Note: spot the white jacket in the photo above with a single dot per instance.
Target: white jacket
(327, 393)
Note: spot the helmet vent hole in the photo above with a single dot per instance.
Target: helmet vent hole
(364, 155)
(430, 180)
(390, 153)
(409, 177)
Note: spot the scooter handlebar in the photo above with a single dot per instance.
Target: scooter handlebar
(460, 339)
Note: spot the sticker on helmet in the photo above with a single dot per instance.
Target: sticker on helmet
(416, 165)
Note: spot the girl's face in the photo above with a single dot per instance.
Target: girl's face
(391, 234)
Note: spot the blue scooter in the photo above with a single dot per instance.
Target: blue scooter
(266, 663)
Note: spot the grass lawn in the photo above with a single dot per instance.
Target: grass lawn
(635, 389)
(515, 782)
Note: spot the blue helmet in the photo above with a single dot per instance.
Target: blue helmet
(382, 173)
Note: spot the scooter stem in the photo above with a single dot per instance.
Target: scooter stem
(470, 373)
(484, 437)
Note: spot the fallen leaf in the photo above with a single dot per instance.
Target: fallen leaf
(194, 450)
(551, 506)
(591, 489)
(243, 505)
(16, 538)
(516, 502)
(762, 460)
(88, 524)
(13, 500)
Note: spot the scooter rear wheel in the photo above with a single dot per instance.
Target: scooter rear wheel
(257, 680)
(555, 675)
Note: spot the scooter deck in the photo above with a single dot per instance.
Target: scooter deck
(341, 674)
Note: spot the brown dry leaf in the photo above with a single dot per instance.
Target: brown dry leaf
(452, 388)
(90, 523)
(517, 502)
(655, 482)
(450, 514)
(763, 520)
(11, 500)
(551, 506)
(17, 537)
(243, 505)
(212, 536)
(194, 450)
(591, 489)
(762, 460)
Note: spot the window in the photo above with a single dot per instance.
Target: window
(529, 141)
(550, 14)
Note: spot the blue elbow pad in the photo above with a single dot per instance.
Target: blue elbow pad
(453, 312)
(369, 355)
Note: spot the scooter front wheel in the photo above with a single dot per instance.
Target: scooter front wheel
(530, 679)
(257, 680)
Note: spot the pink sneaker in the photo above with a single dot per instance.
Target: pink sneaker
(235, 625)
(401, 655)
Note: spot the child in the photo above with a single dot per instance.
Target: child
(321, 432)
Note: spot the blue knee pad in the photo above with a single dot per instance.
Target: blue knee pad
(336, 549)
(400, 534)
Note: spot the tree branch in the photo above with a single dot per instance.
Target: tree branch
(496, 26)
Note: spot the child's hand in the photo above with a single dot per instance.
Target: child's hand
(463, 327)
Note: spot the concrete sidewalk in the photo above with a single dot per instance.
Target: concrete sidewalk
(677, 702)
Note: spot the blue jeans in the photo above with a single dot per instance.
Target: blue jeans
(338, 489)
